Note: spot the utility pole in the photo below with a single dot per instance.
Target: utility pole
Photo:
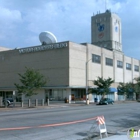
(87, 80)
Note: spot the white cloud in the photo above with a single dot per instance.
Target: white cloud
(68, 20)
(10, 15)
(9, 19)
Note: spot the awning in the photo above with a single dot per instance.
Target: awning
(113, 89)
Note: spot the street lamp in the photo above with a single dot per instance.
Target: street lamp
(87, 80)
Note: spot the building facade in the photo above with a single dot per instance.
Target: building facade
(64, 63)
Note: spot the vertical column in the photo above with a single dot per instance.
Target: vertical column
(111, 33)
(102, 63)
(22, 104)
(1, 101)
(48, 102)
(114, 67)
(14, 93)
(29, 103)
(36, 102)
(42, 102)
(22, 100)
(120, 34)
(68, 92)
(86, 70)
(22, 97)
(91, 29)
(47, 96)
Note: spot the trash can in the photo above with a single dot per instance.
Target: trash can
(95, 100)
(87, 101)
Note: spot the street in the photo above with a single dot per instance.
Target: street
(67, 122)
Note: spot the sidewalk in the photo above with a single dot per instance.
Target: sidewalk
(117, 137)
(121, 137)
(124, 135)
(55, 105)
(51, 105)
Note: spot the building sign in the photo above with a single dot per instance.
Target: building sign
(43, 47)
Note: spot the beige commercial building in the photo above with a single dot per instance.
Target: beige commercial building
(64, 63)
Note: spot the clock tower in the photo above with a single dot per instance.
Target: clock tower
(106, 31)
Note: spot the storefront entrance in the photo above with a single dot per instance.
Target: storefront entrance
(78, 94)
(56, 94)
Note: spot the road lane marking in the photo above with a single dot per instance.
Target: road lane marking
(68, 123)
(47, 125)
(15, 128)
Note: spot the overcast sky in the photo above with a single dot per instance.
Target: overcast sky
(21, 21)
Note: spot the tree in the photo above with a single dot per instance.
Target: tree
(129, 88)
(31, 81)
(126, 88)
(102, 86)
(137, 86)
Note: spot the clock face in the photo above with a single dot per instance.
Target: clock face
(116, 28)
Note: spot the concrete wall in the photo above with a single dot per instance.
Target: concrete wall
(41, 95)
(52, 63)
(135, 73)
(107, 70)
(77, 63)
(118, 72)
(94, 69)
(114, 72)
(66, 66)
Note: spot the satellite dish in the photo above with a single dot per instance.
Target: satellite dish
(47, 38)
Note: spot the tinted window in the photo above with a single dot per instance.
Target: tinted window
(128, 66)
(136, 68)
(96, 58)
(119, 64)
(109, 61)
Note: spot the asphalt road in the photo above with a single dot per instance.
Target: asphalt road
(67, 122)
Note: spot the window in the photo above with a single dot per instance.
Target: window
(136, 68)
(119, 64)
(109, 62)
(128, 66)
(96, 58)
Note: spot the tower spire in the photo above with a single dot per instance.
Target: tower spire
(105, 5)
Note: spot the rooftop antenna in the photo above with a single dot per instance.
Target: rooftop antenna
(105, 5)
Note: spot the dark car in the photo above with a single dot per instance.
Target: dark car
(8, 100)
(106, 101)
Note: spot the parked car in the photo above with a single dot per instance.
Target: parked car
(52, 99)
(8, 100)
(106, 101)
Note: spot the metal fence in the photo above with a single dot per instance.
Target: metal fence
(26, 103)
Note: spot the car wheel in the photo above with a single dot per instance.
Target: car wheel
(106, 103)
(8, 103)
